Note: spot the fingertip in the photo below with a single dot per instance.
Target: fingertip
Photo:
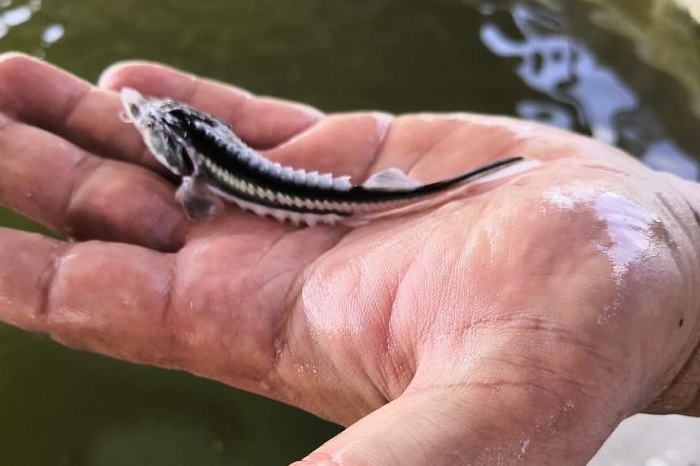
(150, 78)
(109, 77)
(317, 459)
(14, 65)
(37, 92)
(20, 68)
(6, 57)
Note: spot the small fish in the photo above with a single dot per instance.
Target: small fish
(215, 164)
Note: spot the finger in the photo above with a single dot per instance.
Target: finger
(466, 426)
(85, 197)
(39, 94)
(169, 310)
(433, 146)
(429, 147)
(343, 144)
(260, 121)
(107, 297)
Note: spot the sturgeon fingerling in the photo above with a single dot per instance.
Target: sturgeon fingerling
(214, 164)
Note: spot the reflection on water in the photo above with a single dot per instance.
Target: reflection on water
(51, 34)
(666, 37)
(12, 16)
(585, 93)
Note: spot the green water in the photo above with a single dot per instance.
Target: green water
(59, 406)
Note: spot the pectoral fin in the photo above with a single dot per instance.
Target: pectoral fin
(198, 202)
(391, 179)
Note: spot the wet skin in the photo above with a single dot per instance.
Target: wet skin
(520, 322)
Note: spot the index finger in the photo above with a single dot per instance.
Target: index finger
(41, 95)
(262, 122)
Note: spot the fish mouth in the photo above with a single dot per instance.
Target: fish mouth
(132, 102)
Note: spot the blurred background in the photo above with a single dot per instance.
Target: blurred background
(624, 71)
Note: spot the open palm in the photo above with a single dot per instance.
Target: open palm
(521, 320)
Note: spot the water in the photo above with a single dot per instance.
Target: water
(623, 71)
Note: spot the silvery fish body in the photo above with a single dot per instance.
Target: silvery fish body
(215, 164)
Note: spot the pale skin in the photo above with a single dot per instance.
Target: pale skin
(519, 322)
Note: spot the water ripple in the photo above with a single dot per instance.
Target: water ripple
(18, 15)
(582, 90)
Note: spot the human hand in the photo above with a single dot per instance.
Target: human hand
(521, 322)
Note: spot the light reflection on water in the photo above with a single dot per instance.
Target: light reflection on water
(52, 34)
(13, 16)
(583, 90)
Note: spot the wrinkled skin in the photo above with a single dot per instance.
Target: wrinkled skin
(520, 321)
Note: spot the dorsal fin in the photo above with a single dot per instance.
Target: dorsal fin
(391, 179)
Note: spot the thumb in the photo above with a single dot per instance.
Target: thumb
(470, 425)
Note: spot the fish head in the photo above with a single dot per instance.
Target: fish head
(160, 131)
